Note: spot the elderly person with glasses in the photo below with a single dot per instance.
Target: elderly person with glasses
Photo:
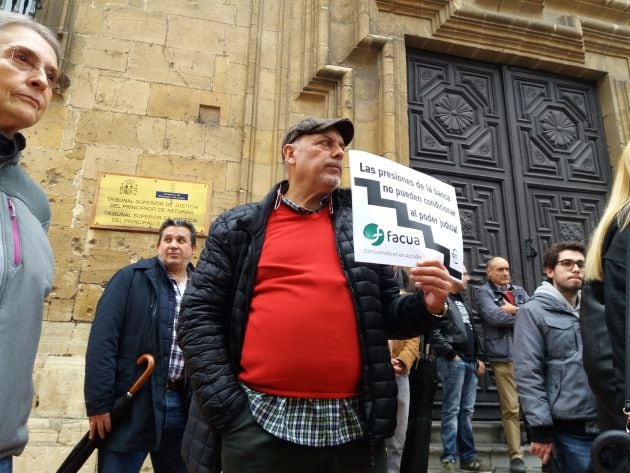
(29, 61)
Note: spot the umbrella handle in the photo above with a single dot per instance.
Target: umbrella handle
(150, 361)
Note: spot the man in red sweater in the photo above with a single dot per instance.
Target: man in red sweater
(285, 335)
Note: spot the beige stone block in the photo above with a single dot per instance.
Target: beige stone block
(109, 3)
(59, 388)
(62, 339)
(236, 116)
(262, 179)
(82, 92)
(101, 264)
(104, 53)
(153, 63)
(67, 244)
(195, 68)
(196, 34)
(178, 103)
(119, 129)
(110, 159)
(266, 149)
(136, 244)
(615, 67)
(233, 177)
(78, 340)
(235, 80)
(135, 25)
(196, 9)
(72, 431)
(237, 42)
(87, 298)
(185, 139)
(212, 173)
(75, 53)
(89, 20)
(221, 69)
(224, 144)
(61, 209)
(59, 310)
(65, 282)
(122, 95)
(223, 201)
(39, 458)
(266, 114)
(150, 134)
(51, 170)
(49, 130)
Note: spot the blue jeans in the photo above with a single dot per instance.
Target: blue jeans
(459, 384)
(167, 459)
(6, 464)
(573, 452)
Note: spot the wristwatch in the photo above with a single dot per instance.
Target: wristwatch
(443, 313)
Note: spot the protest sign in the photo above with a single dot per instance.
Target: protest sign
(402, 215)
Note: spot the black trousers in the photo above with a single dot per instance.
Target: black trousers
(248, 448)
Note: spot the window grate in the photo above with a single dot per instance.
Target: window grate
(23, 7)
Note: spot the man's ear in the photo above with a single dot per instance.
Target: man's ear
(549, 272)
(287, 152)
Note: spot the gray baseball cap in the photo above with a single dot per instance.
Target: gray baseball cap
(312, 125)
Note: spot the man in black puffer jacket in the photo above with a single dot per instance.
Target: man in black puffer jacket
(285, 336)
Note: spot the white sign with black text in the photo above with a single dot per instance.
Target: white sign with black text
(402, 216)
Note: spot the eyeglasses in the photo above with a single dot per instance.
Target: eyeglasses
(569, 264)
(26, 60)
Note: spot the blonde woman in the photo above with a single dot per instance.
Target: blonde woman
(606, 270)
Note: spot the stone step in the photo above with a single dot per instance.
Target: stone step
(490, 445)
(486, 431)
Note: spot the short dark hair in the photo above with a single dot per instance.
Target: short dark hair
(177, 222)
(550, 259)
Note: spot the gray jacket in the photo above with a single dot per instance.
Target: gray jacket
(498, 327)
(26, 272)
(550, 378)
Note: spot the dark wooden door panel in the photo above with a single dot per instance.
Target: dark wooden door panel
(526, 154)
(459, 134)
(561, 171)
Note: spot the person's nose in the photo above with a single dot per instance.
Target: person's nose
(338, 151)
(39, 79)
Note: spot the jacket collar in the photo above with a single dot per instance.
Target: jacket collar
(10, 148)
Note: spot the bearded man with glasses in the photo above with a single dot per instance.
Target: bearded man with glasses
(555, 396)
(29, 62)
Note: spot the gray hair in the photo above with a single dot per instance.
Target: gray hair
(8, 20)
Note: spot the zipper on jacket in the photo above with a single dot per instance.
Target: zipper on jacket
(17, 248)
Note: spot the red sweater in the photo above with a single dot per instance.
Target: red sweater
(301, 338)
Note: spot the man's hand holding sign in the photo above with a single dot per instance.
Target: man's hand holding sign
(400, 215)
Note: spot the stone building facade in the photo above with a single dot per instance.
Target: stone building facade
(202, 90)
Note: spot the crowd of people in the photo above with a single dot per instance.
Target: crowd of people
(279, 352)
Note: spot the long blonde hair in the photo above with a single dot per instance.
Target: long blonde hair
(617, 211)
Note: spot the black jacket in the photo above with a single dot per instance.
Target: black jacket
(450, 338)
(128, 323)
(217, 302)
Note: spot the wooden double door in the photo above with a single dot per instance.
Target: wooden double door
(525, 152)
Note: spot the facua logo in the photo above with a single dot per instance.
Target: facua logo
(374, 234)
(377, 236)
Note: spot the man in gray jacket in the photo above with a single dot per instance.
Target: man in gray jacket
(497, 302)
(555, 396)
